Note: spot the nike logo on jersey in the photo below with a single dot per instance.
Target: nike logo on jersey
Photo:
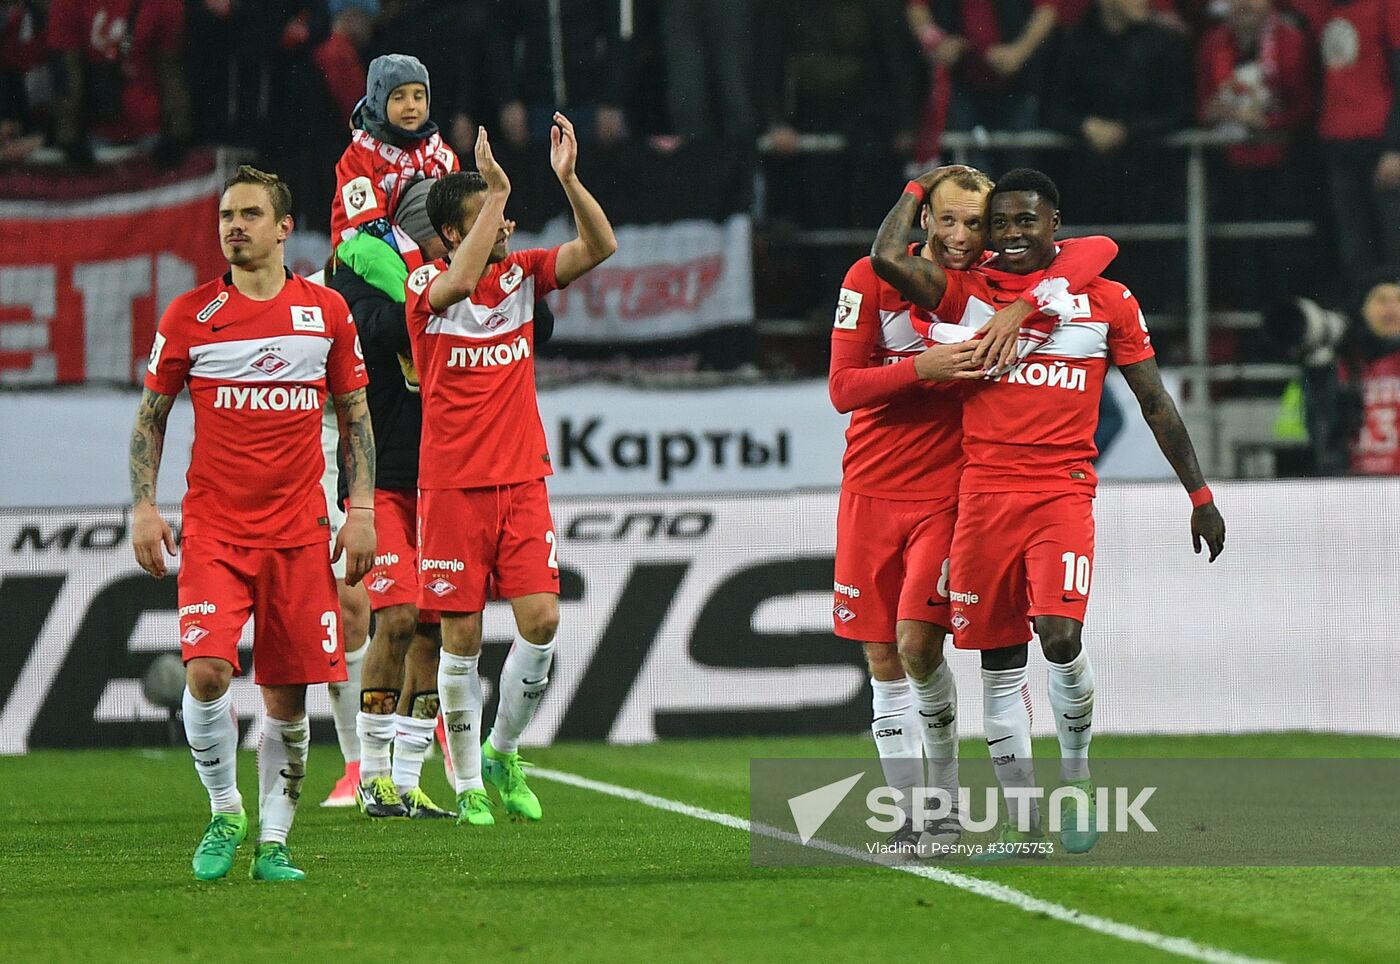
(535, 682)
(995, 742)
(938, 712)
(1079, 717)
(203, 749)
(222, 327)
(335, 662)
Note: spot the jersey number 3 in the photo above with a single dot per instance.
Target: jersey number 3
(332, 641)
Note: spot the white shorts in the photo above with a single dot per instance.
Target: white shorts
(330, 479)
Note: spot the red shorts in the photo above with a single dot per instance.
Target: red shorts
(290, 593)
(891, 564)
(394, 579)
(495, 542)
(1018, 555)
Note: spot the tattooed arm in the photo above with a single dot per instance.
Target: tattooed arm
(1172, 438)
(357, 442)
(918, 279)
(149, 532)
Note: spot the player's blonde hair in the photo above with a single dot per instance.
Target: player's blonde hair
(971, 180)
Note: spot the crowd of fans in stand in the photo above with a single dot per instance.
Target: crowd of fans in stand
(1316, 78)
(281, 76)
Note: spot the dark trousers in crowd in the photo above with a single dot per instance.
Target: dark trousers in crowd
(1255, 273)
(1366, 221)
(1133, 186)
(709, 68)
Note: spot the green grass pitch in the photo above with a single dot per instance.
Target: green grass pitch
(96, 848)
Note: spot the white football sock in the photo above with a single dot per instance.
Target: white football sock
(459, 689)
(412, 737)
(1072, 699)
(345, 703)
(1006, 715)
(524, 678)
(901, 757)
(936, 700)
(375, 733)
(281, 768)
(211, 730)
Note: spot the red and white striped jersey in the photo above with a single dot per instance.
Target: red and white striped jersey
(1032, 429)
(910, 447)
(371, 176)
(258, 373)
(476, 375)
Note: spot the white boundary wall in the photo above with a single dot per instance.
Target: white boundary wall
(711, 615)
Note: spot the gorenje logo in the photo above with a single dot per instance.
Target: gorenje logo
(203, 608)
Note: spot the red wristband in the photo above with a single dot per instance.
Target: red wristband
(1201, 497)
(916, 189)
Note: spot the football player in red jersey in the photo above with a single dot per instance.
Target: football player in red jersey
(1024, 542)
(900, 481)
(258, 348)
(483, 510)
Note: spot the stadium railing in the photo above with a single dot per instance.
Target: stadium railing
(1219, 428)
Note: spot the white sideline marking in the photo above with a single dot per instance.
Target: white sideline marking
(1179, 946)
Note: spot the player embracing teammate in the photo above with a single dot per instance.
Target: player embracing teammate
(900, 478)
(1023, 546)
(484, 523)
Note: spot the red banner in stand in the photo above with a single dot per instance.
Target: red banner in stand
(83, 279)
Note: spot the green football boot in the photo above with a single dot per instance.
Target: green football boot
(213, 858)
(505, 772)
(474, 807)
(1074, 840)
(1013, 844)
(273, 861)
(421, 807)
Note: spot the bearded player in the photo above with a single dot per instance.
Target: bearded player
(483, 510)
(1023, 547)
(900, 482)
(259, 349)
